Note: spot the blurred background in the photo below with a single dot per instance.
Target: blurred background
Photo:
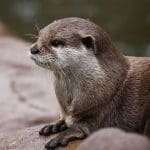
(127, 21)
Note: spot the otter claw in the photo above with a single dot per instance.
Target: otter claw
(53, 128)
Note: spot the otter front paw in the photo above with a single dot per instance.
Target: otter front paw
(63, 138)
(53, 128)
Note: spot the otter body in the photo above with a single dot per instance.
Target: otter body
(96, 85)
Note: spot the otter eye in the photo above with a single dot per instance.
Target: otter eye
(57, 43)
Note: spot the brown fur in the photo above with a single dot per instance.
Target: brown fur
(120, 98)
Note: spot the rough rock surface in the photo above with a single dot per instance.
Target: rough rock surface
(29, 139)
(104, 139)
(115, 139)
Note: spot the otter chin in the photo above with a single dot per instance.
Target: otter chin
(95, 84)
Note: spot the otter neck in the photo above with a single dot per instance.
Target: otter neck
(83, 70)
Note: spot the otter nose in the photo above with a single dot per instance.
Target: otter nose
(34, 50)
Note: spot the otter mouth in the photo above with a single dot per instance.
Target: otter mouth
(43, 64)
(33, 57)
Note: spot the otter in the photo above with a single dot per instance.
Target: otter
(95, 84)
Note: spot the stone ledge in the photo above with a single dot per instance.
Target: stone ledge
(29, 139)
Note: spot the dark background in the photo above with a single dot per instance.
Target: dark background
(127, 21)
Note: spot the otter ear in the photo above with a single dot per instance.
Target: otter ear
(89, 42)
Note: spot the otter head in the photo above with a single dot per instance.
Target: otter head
(67, 42)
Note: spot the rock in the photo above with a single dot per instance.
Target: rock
(29, 139)
(104, 139)
(27, 95)
(115, 139)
